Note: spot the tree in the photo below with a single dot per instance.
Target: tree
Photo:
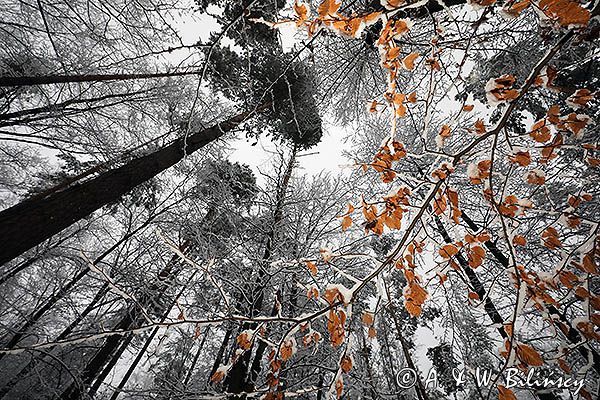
(462, 236)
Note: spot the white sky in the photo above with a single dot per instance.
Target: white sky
(326, 156)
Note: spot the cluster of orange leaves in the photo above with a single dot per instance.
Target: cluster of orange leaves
(390, 216)
(501, 89)
(328, 15)
(472, 246)
(441, 201)
(479, 172)
(414, 293)
(538, 288)
(335, 326)
(565, 13)
(384, 159)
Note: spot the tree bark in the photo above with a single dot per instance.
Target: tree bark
(489, 306)
(572, 334)
(238, 379)
(20, 81)
(30, 222)
(110, 352)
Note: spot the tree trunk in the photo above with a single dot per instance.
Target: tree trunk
(34, 317)
(219, 355)
(489, 306)
(419, 387)
(238, 378)
(50, 109)
(108, 355)
(30, 222)
(572, 335)
(19, 81)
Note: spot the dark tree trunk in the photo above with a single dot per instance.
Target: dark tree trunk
(572, 334)
(220, 354)
(18, 81)
(110, 364)
(30, 222)
(31, 114)
(110, 352)
(237, 380)
(420, 387)
(190, 371)
(489, 306)
(34, 317)
(95, 365)
(477, 285)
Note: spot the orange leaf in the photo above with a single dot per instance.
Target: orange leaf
(328, 8)
(480, 127)
(346, 364)
(529, 356)
(540, 132)
(523, 158)
(409, 61)
(445, 131)
(519, 240)
(505, 394)
(536, 177)
(217, 376)
(311, 267)
(412, 97)
(393, 53)
(517, 7)
(550, 238)
(568, 278)
(468, 107)
(287, 350)
(565, 12)
(244, 341)
(564, 366)
(346, 222)
(483, 237)
(372, 333)
(448, 250)
(412, 308)
(368, 318)
(580, 98)
(589, 264)
(339, 387)
(476, 256)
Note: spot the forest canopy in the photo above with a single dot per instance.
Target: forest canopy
(152, 249)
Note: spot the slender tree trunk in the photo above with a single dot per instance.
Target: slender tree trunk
(19, 81)
(30, 222)
(27, 263)
(260, 350)
(34, 317)
(108, 355)
(220, 353)
(572, 334)
(477, 285)
(364, 352)
(134, 364)
(420, 387)
(53, 108)
(489, 306)
(190, 371)
(144, 348)
(110, 364)
(390, 369)
(238, 380)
